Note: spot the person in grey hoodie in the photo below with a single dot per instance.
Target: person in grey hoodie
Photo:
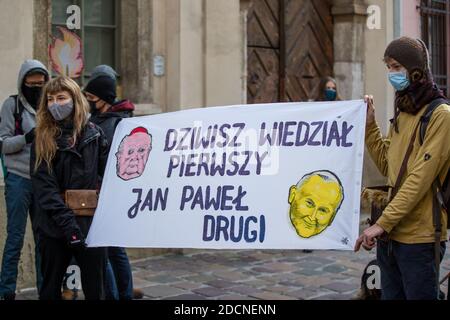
(17, 123)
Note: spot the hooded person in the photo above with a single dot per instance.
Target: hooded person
(18, 120)
(107, 112)
(409, 249)
(414, 85)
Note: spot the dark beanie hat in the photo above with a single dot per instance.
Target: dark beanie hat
(410, 53)
(103, 87)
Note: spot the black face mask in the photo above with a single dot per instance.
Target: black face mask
(32, 95)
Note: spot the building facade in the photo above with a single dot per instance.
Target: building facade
(179, 54)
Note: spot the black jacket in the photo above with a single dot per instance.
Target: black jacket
(108, 121)
(79, 167)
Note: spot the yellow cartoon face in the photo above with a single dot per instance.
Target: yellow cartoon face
(314, 202)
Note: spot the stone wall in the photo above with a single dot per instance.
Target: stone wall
(16, 45)
(376, 82)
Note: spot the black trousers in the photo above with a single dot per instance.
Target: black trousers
(408, 271)
(55, 258)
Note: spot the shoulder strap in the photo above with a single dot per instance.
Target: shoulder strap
(446, 193)
(444, 189)
(426, 117)
(18, 108)
(437, 223)
(422, 126)
(404, 163)
(440, 195)
(18, 111)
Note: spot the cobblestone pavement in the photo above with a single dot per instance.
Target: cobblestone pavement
(247, 274)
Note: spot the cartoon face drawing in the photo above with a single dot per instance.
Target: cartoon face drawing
(133, 153)
(314, 202)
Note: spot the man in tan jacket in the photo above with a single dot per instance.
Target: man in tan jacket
(407, 258)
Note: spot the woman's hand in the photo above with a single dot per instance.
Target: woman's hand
(368, 237)
(370, 109)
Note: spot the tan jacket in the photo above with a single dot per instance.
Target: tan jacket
(409, 216)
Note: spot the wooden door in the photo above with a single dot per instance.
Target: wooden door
(290, 48)
(263, 51)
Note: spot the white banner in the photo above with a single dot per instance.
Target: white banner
(274, 176)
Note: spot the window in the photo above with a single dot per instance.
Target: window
(435, 16)
(99, 31)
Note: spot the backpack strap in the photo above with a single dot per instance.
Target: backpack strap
(439, 194)
(446, 193)
(426, 117)
(443, 190)
(404, 165)
(437, 223)
(422, 126)
(18, 111)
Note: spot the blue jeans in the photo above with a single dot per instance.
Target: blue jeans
(19, 201)
(408, 271)
(119, 279)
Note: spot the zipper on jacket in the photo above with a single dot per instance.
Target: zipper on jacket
(90, 139)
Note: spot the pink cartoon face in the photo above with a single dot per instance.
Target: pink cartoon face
(133, 154)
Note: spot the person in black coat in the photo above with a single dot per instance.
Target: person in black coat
(69, 153)
(107, 112)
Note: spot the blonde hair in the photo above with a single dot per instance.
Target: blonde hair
(47, 129)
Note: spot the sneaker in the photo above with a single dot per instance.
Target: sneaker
(137, 294)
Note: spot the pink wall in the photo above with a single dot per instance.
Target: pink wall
(411, 18)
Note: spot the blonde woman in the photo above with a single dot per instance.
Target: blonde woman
(69, 153)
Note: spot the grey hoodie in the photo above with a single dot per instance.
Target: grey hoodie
(16, 152)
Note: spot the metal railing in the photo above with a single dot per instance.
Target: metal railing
(435, 23)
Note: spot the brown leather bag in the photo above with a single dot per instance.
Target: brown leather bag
(82, 202)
